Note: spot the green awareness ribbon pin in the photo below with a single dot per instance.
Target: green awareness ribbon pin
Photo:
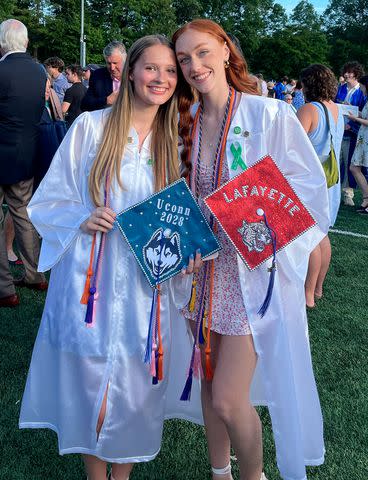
(150, 161)
(236, 150)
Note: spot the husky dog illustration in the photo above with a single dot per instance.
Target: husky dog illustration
(162, 253)
(255, 235)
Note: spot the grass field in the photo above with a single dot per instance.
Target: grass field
(338, 331)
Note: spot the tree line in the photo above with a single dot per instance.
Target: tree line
(274, 43)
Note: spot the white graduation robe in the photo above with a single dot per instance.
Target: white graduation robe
(72, 365)
(284, 379)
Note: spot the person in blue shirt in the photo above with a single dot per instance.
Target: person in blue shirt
(298, 96)
(280, 88)
(55, 67)
(350, 93)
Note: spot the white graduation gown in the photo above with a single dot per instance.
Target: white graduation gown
(284, 379)
(72, 365)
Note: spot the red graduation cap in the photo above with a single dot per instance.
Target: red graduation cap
(260, 213)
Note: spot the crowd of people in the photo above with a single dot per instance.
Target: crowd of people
(351, 90)
(97, 140)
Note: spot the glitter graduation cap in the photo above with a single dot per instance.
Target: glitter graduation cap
(162, 232)
(261, 214)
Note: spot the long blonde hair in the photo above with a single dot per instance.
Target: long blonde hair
(164, 144)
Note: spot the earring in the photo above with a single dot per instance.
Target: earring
(226, 64)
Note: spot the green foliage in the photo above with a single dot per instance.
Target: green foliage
(346, 25)
(275, 19)
(187, 10)
(305, 17)
(295, 46)
(7, 8)
(132, 19)
(273, 42)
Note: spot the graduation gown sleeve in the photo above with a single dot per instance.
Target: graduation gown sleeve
(59, 205)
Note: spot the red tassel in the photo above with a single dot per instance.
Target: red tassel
(87, 285)
(160, 351)
(209, 370)
(160, 367)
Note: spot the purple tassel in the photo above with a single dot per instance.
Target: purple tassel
(201, 339)
(200, 315)
(188, 386)
(266, 302)
(90, 304)
(148, 353)
(155, 378)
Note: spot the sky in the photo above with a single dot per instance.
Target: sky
(319, 5)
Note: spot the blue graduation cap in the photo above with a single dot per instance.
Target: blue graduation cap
(164, 230)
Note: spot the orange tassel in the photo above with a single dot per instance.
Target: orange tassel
(87, 285)
(160, 367)
(160, 351)
(209, 369)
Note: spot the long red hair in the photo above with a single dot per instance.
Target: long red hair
(237, 75)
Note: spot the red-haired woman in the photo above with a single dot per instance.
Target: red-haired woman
(257, 360)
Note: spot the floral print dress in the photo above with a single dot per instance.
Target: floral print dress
(229, 316)
(360, 155)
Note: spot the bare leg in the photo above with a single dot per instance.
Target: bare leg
(348, 192)
(218, 440)
(314, 269)
(121, 471)
(235, 367)
(325, 247)
(9, 237)
(96, 468)
(361, 181)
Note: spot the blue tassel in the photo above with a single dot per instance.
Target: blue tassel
(201, 339)
(155, 378)
(188, 386)
(148, 353)
(90, 304)
(266, 303)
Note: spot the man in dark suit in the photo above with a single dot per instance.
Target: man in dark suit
(22, 99)
(104, 83)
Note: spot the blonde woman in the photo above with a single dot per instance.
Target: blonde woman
(90, 385)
